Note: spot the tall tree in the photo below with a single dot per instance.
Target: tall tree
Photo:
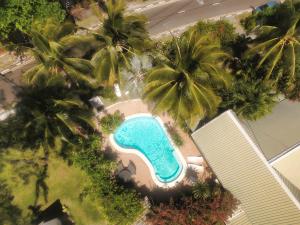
(249, 97)
(17, 18)
(185, 86)
(51, 51)
(119, 38)
(277, 44)
(48, 111)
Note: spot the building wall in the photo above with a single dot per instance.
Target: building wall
(242, 169)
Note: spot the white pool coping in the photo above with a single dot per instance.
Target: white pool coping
(179, 157)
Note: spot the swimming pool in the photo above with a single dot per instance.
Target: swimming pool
(146, 136)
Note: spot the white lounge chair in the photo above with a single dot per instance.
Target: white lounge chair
(198, 169)
(117, 90)
(197, 160)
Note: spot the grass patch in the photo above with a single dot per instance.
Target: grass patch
(64, 182)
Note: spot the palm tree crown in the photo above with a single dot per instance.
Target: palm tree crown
(277, 43)
(119, 38)
(50, 110)
(51, 56)
(185, 87)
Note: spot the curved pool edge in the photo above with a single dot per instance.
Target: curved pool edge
(144, 158)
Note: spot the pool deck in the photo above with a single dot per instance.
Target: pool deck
(143, 176)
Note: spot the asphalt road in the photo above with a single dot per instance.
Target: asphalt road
(167, 17)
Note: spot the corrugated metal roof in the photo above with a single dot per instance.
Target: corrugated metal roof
(241, 168)
(239, 219)
(277, 131)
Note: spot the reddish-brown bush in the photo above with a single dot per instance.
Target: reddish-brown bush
(191, 211)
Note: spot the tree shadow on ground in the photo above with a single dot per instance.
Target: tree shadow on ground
(158, 195)
(110, 154)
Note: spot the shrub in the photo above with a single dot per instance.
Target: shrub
(120, 205)
(18, 16)
(216, 205)
(110, 122)
(174, 135)
(250, 99)
(220, 31)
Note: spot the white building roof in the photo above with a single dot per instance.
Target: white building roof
(242, 169)
(278, 131)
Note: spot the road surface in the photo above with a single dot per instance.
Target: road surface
(178, 13)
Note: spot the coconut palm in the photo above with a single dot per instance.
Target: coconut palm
(277, 45)
(250, 98)
(119, 37)
(185, 87)
(127, 31)
(50, 51)
(49, 110)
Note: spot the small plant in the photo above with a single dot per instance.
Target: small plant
(110, 122)
(177, 139)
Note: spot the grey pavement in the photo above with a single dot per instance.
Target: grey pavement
(179, 13)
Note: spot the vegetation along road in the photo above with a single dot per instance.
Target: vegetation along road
(178, 13)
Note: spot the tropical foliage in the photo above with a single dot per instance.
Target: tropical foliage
(110, 122)
(17, 18)
(47, 111)
(190, 80)
(211, 204)
(277, 44)
(177, 139)
(51, 54)
(119, 38)
(185, 87)
(250, 98)
(220, 31)
(122, 205)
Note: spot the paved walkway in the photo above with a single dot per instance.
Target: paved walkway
(143, 176)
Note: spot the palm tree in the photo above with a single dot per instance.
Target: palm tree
(49, 110)
(50, 51)
(119, 37)
(249, 98)
(186, 86)
(277, 43)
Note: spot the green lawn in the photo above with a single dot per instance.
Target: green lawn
(64, 183)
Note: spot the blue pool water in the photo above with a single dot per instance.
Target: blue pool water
(145, 134)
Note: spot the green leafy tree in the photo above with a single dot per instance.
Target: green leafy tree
(119, 37)
(249, 97)
(17, 17)
(185, 87)
(47, 111)
(122, 205)
(277, 44)
(278, 47)
(220, 31)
